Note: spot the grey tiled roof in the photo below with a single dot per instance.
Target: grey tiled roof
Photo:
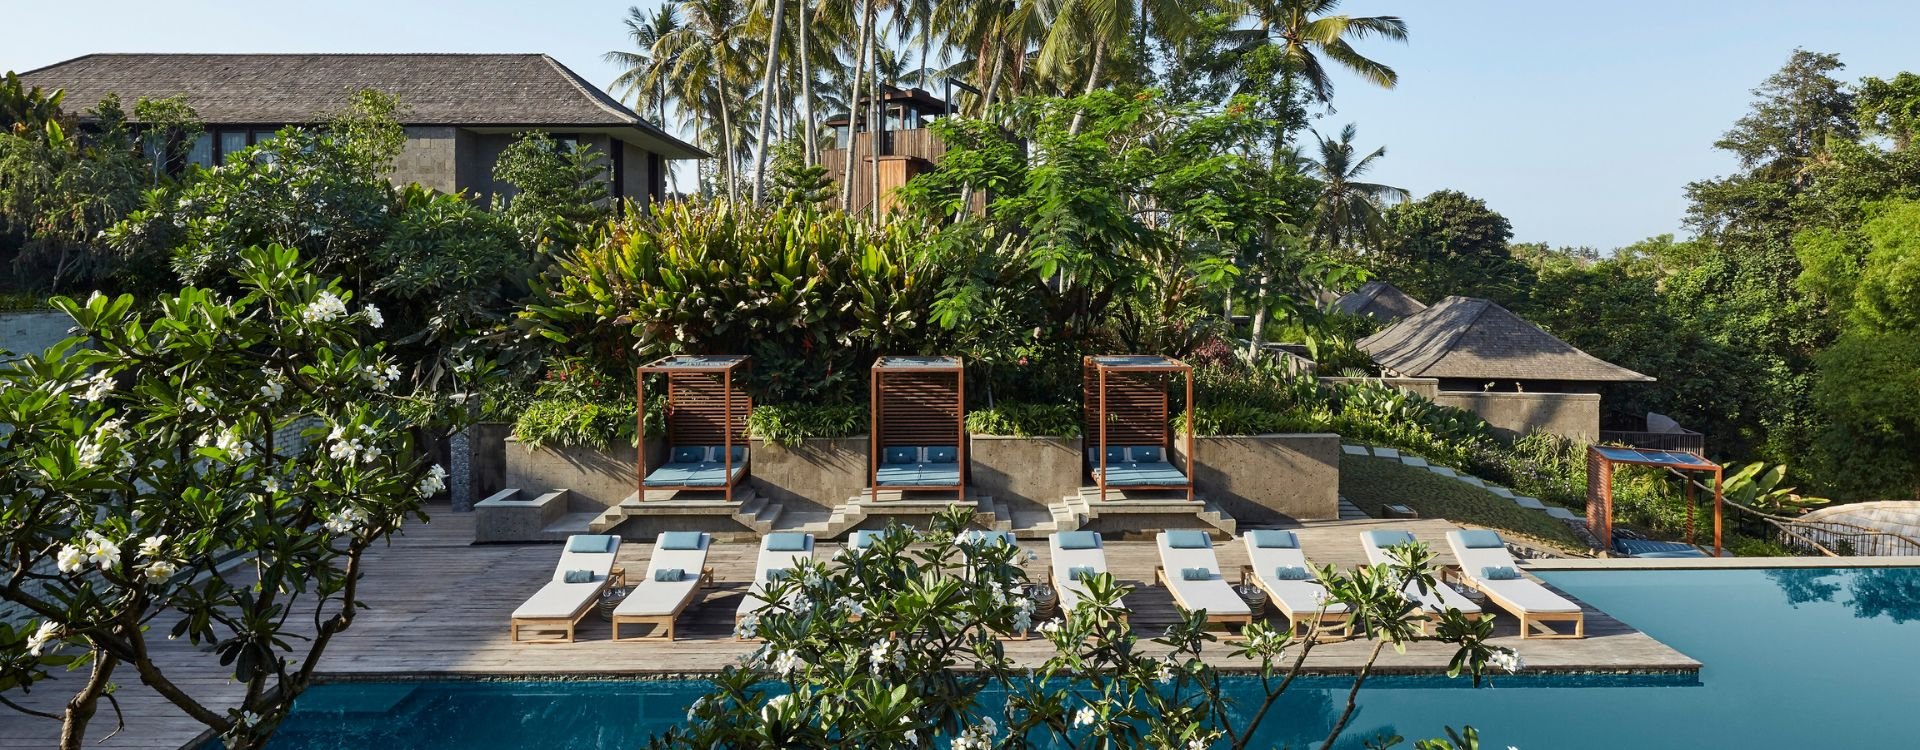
(1463, 337)
(474, 90)
(1379, 299)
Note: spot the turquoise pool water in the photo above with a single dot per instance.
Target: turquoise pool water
(1794, 659)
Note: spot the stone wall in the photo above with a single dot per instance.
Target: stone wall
(429, 157)
(597, 478)
(1572, 415)
(821, 472)
(1037, 470)
(1265, 478)
(817, 475)
(1427, 387)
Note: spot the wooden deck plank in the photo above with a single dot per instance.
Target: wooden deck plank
(438, 607)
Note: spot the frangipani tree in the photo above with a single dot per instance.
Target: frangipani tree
(899, 645)
(180, 438)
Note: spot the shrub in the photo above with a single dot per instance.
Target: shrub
(575, 423)
(789, 424)
(1026, 420)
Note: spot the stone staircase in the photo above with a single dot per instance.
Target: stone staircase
(749, 508)
(892, 505)
(1085, 508)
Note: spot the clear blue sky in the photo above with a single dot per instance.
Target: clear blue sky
(1580, 121)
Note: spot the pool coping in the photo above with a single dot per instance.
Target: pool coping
(1721, 563)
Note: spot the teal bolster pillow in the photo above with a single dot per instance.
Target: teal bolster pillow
(787, 541)
(578, 576)
(1196, 574)
(1080, 572)
(1188, 539)
(1078, 539)
(590, 543)
(1291, 573)
(776, 575)
(1385, 539)
(669, 575)
(1480, 539)
(1269, 539)
(680, 540)
(1501, 573)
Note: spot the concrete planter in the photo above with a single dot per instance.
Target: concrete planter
(1265, 478)
(597, 478)
(820, 472)
(1571, 415)
(1037, 470)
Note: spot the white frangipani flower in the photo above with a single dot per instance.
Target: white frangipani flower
(373, 316)
(159, 571)
(1083, 717)
(48, 632)
(153, 546)
(1507, 659)
(346, 520)
(325, 308)
(98, 387)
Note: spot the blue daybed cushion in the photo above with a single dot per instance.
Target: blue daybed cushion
(1138, 474)
(688, 454)
(864, 538)
(1480, 539)
(718, 453)
(1079, 539)
(942, 454)
(680, 540)
(787, 541)
(702, 474)
(1651, 548)
(1189, 539)
(1270, 539)
(902, 455)
(1385, 539)
(590, 543)
(1146, 454)
(933, 475)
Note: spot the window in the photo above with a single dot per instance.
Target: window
(201, 154)
(232, 142)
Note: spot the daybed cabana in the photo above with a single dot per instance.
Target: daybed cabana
(1600, 463)
(919, 431)
(706, 424)
(1126, 428)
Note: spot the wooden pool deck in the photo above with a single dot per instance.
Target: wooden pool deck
(438, 608)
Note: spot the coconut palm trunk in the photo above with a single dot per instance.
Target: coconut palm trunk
(876, 126)
(853, 109)
(766, 102)
(809, 150)
(728, 142)
(1093, 84)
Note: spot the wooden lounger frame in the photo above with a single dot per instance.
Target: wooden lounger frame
(917, 401)
(663, 622)
(1532, 621)
(570, 623)
(1319, 625)
(706, 405)
(1124, 405)
(1160, 577)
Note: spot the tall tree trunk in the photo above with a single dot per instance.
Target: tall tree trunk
(699, 139)
(726, 135)
(660, 103)
(80, 708)
(926, 69)
(1093, 83)
(810, 151)
(876, 123)
(1259, 317)
(766, 101)
(853, 110)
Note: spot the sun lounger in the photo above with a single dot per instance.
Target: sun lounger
(1075, 555)
(778, 552)
(1485, 565)
(1191, 572)
(676, 573)
(1279, 567)
(560, 604)
(1433, 601)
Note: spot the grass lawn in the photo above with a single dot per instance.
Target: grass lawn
(1374, 483)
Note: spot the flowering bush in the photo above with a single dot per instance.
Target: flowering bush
(896, 645)
(132, 466)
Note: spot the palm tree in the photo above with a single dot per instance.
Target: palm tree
(708, 65)
(1347, 213)
(1097, 27)
(766, 100)
(642, 79)
(1304, 30)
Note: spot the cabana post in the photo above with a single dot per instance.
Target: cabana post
(1127, 412)
(1600, 463)
(918, 433)
(706, 424)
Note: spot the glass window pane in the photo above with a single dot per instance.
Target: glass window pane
(232, 142)
(202, 151)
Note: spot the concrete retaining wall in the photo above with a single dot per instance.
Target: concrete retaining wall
(1427, 387)
(597, 478)
(1572, 415)
(817, 475)
(31, 332)
(1264, 478)
(1038, 470)
(820, 472)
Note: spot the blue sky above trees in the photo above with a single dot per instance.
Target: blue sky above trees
(1581, 122)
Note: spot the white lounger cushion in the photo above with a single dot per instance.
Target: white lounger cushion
(1523, 593)
(1296, 597)
(770, 560)
(1214, 594)
(1064, 561)
(559, 599)
(651, 597)
(1440, 598)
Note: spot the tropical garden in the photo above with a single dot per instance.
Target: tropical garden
(271, 353)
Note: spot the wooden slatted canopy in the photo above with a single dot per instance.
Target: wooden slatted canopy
(1600, 463)
(1126, 403)
(706, 405)
(917, 401)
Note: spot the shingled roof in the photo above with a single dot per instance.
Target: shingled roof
(467, 90)
(1379, 299)
(1464, 337)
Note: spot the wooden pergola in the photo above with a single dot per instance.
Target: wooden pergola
(706, 407)
(918, 403)
(1600, 463)
(1126, 403)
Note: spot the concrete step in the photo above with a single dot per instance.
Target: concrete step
(573, 523)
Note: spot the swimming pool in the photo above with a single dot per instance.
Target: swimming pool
(1793, 659)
